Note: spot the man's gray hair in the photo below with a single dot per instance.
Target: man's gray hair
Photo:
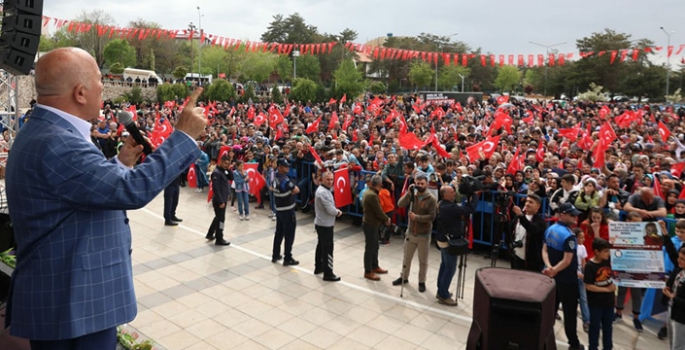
(376, 180)
(421, 176)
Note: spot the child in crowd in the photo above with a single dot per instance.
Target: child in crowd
(242, 180)
(388, 207)
(598, 279)
(581, 252)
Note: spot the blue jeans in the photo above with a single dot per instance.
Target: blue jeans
(272, 202)
(448, 265)
(584, 310)
(601, 317)
(303, 186)
(243, 202)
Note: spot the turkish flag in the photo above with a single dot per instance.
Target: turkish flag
(260, 119)
(664, 132)
(250, 113)
(502, 99)
(628, 117)
(133, 111)
(409, 141)
(457, 107)
(604, 111)
(501, 120)
(540, 153)
(343, 99)
(332, 101)
(488, 146)
(342, 189)
(348, 121)
(606, 132)
(677, 169)
(357, 109)
(515, 165)
(438, 112)
(210, 194)
(275, 116)
(375, 105)
(314, 127)
(403, 124)
(315, 155)
(223, 151)
(569, 133)
(657, 188)
(334, 120)
(585, 142)
(255, 179)
(169, 104)
(393, 114)
(529, 118)
(192, 177)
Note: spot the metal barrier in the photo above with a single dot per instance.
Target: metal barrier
(490, 221)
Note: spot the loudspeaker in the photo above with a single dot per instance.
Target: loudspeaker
(21, 26)
(512, 310)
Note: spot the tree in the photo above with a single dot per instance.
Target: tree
(90, 40)
(675, 98)
(258, 66)
(348, 80)
(171, 92)
(290, 30)
(276, 95)
(116, 68)
(303, 90)
(420, 74)
(134, 95)
(220, 90)
(377, 87)
(308, 67)
(593, 94)
(119, 51)
(507, 78)
(180, 72)
(450, 76)
(214, 59)
(284, 68)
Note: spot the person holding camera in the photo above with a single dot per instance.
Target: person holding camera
(528, 233)
(451, 225)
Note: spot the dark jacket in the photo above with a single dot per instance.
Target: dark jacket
(535, 234)
(373, 213)
(678, 307)
(220, 185)
(451, 220)
(425, 207)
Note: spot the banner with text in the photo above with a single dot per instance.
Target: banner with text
(636, 254)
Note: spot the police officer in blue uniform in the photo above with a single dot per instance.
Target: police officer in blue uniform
(221, 189)
(284, 198)
(561, 263)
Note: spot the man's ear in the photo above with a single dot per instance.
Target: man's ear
(79, 94)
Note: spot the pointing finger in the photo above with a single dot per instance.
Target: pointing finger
(192, 101)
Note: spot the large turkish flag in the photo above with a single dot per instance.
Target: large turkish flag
(256, 180)
(342, 191)
(192, 177)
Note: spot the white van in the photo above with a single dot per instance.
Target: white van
(141, 74)
(195, 77)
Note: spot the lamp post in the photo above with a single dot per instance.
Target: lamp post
(436, 61)
(547, 47)
(668, 59)
(199, 47)
(296, 54)
(462, 82)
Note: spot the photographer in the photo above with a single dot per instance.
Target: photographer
(528, 231)
(451, 225)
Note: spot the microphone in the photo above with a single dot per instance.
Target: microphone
(126, 119)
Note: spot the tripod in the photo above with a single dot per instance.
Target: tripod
(404, 246)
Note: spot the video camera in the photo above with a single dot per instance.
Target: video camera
(470, 185)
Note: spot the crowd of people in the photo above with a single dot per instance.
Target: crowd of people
(578, 164)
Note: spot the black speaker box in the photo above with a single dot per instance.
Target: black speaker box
(16, 62)
(512, 310)
(23, 42)
(22, 23)
(34, 7)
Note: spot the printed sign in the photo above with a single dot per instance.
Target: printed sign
(636, 254)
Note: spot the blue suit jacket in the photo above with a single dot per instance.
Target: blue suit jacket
(67, 204)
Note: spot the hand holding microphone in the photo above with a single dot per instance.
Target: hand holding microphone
(126, 119)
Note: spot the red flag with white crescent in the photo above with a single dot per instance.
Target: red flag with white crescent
(333, 121)
(314, 127)
(210, 194)
(192, 177)
(342, 189)
(540, 153)
(664, 132)
(255, 180)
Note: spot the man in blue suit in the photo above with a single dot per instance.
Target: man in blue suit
(73, 282)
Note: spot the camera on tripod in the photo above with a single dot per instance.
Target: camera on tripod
(516, 244)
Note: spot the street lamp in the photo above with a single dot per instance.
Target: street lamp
(547, 47)
(462, 82)
(436, 61)
(668, 59)
(199, 56)
(296, 54)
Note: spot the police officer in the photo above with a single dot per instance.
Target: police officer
(561, 263)
(284, 197)
(220, 177)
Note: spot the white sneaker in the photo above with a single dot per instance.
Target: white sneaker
(271, 214)
(197, 190)
(273, 218)
(241, 218)
(247, 217)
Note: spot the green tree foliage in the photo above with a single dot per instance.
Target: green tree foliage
(450, 78)
(284, 68)
(220, 90)
(119, 51)
(116, 68)
(508, 78)
(90, 41)
(303, 90)
(377, 87)
(276, 95)
(134, 95)
(593, 94)
(258, 66)
(169, 92)
(348, 80)
(308, 67)
(249, 93)
(291, 30)
(180, 72)
(420, 74)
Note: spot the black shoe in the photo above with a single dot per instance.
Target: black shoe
(176, 219)
(170, 223)
(663, 333)
(222, 242)
(290, 262)
(259, 207)
(399, 281)
(637, 324)
(276, 258)
(331, 278)
(422, 287)
(579, 347)
(318, 271)
(209, 237)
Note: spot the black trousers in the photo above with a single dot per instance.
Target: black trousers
(285, 229)
(567, 295)
(171, 194)
(324, 250)
(216, 229)
(371, 247)
(106, 340)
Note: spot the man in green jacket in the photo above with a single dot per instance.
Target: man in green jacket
(373, 219)
(421, 215)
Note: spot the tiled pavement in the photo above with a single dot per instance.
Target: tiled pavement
(193, 295)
